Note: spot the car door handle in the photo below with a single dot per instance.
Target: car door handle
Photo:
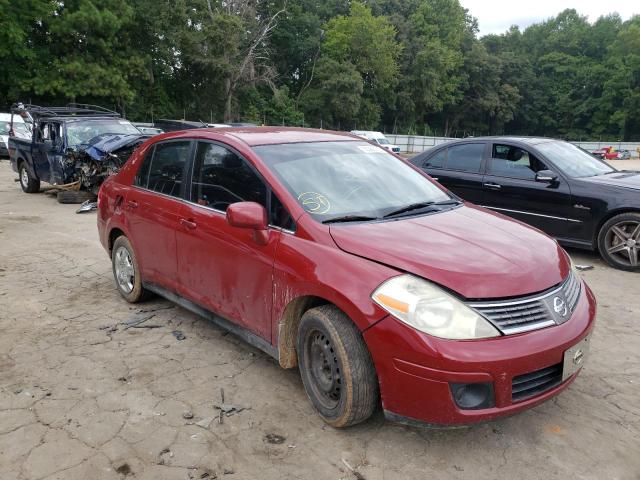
(492, 186)
(190, 224)
(132, 204)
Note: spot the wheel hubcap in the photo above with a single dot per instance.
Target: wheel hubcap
(623, 242)
(24, 178)
(324, 369)
(125, 273)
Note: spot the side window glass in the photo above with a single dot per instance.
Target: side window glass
(167, 167)
(44, 132)
(467, 157)
(142, 177)
(437, 160)
(278, 215)
(514, 162)
(220, 178)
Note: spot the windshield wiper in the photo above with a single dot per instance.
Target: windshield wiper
(349, 218)
(416, 206)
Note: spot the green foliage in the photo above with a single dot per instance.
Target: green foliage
(406, 64)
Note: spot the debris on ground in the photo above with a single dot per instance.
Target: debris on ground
(187, 415)
(202, 473)
(584, 267)
(354, 471)
(124, 469)
(163, 455)
(136, 319)
(227, 409)
(275, 439)
(87, 206)
(205, 422)
(178, 334)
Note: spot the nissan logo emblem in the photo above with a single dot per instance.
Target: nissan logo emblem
(578, 356)
(560, 306)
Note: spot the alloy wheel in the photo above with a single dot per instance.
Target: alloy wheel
(622, 241)
(125, 273)
(24, 177)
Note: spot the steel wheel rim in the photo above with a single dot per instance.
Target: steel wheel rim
(324, 369)
(622, 242)
(24, 177)
(125, 273)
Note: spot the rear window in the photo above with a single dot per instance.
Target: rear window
(467, 157)
(166, 168)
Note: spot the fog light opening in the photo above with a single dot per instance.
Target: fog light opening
(473, 396)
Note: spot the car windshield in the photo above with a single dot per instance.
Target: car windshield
(382, 141)
(573, 161)
(349, 180)
(81, 133)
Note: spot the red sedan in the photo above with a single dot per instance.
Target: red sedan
(336, 257)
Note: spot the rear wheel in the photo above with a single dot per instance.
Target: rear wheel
(619, 241)
(126, 271)
(336, 367)
(28, 183)
(75, 196)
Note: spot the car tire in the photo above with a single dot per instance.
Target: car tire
(336, 367)
(75, 196)
(619, 241)
(28, 183)
(126, 271)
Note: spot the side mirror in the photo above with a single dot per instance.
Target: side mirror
(250, 215)
(546, 176)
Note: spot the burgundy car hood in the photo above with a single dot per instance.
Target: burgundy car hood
(476, 253)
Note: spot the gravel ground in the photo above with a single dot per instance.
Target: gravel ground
(82, 397)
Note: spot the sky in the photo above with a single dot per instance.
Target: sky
(496, 16)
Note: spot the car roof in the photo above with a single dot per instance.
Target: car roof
(505, 138)
(255, 136)
(80, 119)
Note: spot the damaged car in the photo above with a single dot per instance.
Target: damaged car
(73, 148)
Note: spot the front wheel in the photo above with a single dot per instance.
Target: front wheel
(336, 368)
(28, 183)
(126, 271)
(619, 241)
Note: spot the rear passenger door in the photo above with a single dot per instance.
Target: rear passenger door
(511, 188)
(153, 209)
(460, 169)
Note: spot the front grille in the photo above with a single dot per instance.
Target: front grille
(532, 312)
(535, 383)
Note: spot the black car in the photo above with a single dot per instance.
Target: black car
(549, 184)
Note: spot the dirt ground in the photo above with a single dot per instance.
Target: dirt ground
(82, 397)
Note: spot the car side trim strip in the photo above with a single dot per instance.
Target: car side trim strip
(531, 213)
(249, 337)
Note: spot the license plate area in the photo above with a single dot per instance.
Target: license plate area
(574, 358)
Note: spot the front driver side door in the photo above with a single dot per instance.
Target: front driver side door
(221, 267)
(511, 188)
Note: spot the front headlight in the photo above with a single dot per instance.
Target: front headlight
(428, 308)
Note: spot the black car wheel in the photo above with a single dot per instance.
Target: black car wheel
(126, 271)
(619, 241)
(336, 367)
(28, 183)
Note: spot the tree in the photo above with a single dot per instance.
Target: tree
(358, 48)
(87, 53)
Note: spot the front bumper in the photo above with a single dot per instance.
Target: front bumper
(415, 370)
